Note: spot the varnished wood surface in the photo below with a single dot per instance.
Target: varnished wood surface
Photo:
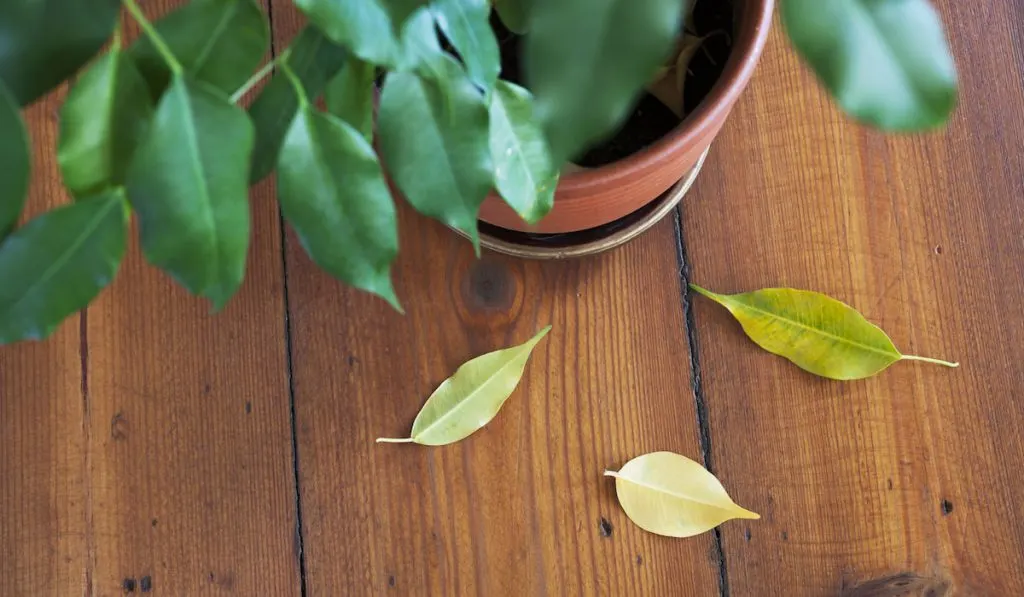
(151, 445)
(917, 470)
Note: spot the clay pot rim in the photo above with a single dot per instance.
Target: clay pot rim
(757, 16)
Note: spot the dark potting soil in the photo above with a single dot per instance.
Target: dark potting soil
(651, 119)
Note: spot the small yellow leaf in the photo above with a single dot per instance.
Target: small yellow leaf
(669, 81)
(669, 494)
(690, 46)
(816, 332)
(470, 398)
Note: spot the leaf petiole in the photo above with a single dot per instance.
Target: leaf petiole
(910, 357)
(391, 440)
(300, 91)
(151, 32)
(254, 80)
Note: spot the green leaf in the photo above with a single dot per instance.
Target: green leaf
(420, 50)
(333, 192)
(886, 63)
(586, 63)
(467, 25)
(668, 494)
(16, 160)
(368, 28)
(524, 174)
(220, 42)
(54, 265)
(817, 333)
(314, 59)
(188, 184)
(434, 141)
(470, 398)
(514, 14)
(43, 42)
(101, 123)
(350, 94)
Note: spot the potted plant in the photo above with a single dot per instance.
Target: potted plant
(156, 127)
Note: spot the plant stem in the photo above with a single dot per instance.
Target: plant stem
(910, 357)
(116, 44)
(389, 440)
(253, 80)
(300, 91)
(158, 42)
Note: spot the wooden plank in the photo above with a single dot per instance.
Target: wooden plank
(916, 470)
(148, 445)
(42, 519)
(516, 508)
(189, 429)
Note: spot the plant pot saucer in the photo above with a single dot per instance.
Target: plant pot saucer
(591, 241)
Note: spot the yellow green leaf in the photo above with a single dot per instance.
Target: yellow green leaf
(669, 494)
(470, 398)
(816, 332)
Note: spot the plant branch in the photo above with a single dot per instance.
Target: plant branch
(116, 44)
(253, 80)
(151, 32)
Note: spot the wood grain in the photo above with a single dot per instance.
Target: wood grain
(149, 439)
(42, 519)
(517, 508)
(147, 446)
(916, 471)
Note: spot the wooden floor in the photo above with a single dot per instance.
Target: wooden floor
(151, 446)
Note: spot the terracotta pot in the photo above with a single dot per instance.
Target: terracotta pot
(590, 198)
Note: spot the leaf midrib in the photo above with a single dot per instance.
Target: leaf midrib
(326, 173)
(199, 173)
(887, 47)
(66, 255)
(469, 397)
(225, 17)
(520, 154)
(439, 134)
(804, 326)
(659, 489)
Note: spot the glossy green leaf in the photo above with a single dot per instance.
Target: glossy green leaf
(817, 333)
(470, 398)
(220, 42)
(188, 183)
(333, 192)
(587, 62)
(434, 141)
(350, 95)
(669, 494)
(420, 49)
(54, 265)
(524, 174)
(16, 160)
(314, 59)
(370, 29)
(466, 23)
(101, 123)
(43, 42)
(886, 63)
(514, 14)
